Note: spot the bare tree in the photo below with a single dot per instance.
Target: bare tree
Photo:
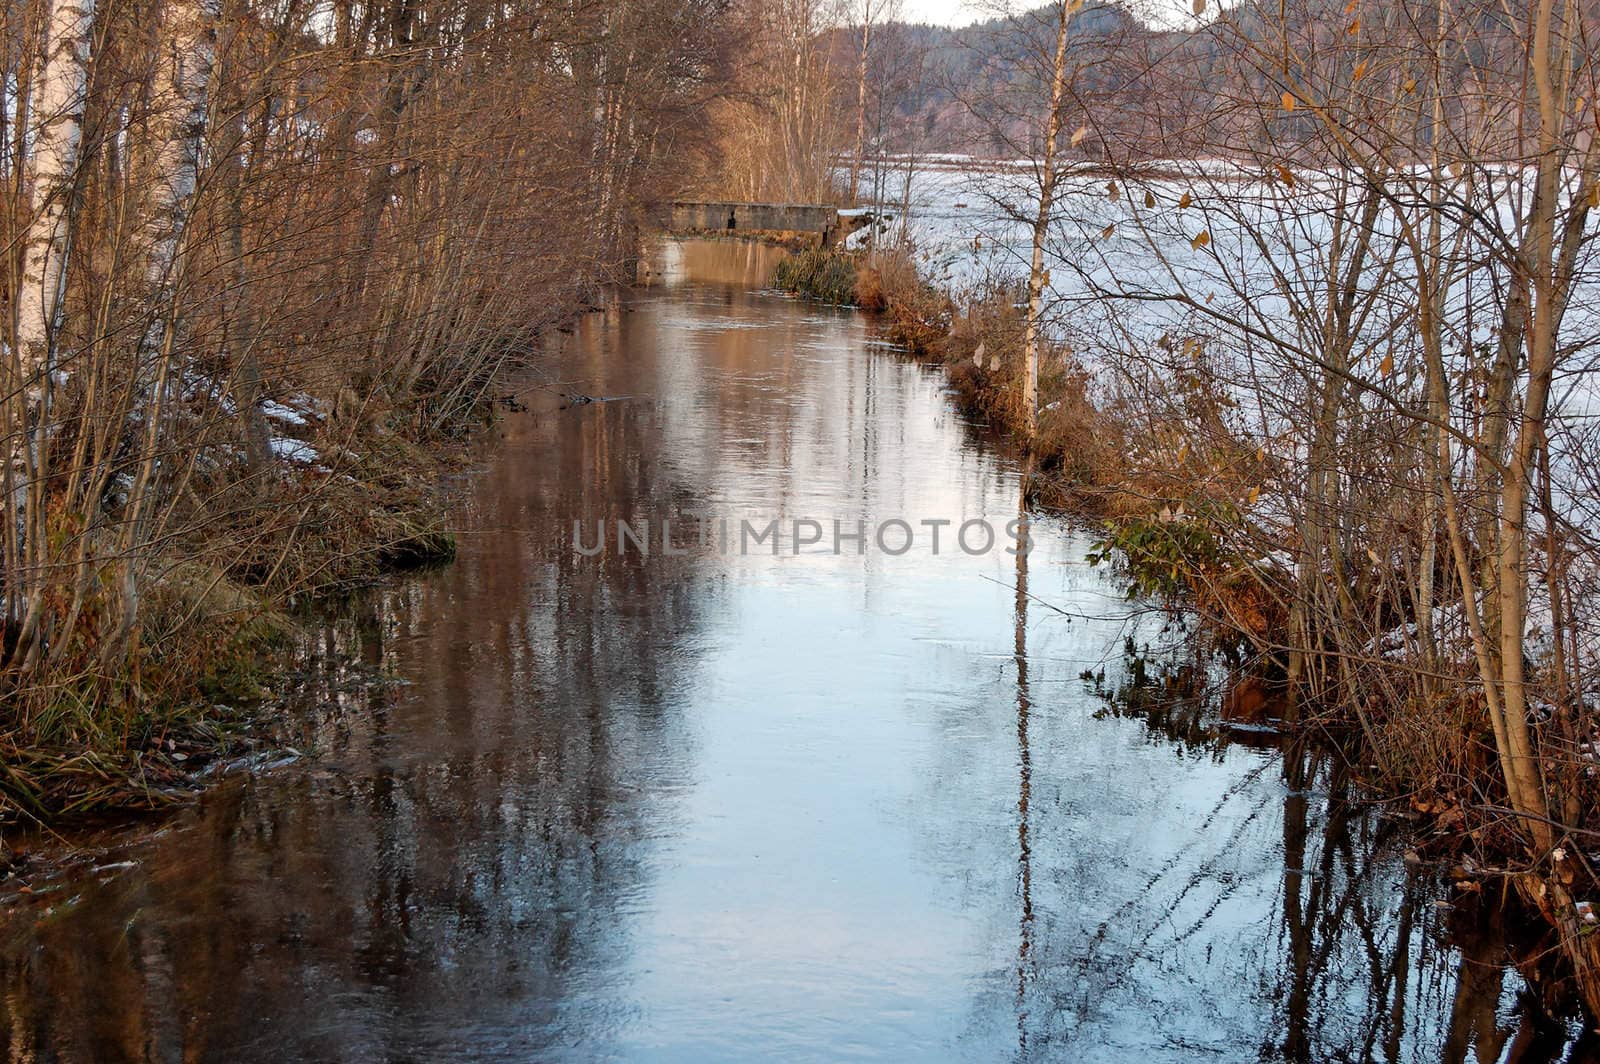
(871, 13)
(272, 256)
(1037, 278)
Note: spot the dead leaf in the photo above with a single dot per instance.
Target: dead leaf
(1184, 201)
(1105, 234)
(1286, 175)
(1199, 7)
(1288, 101)
(1411, 85)
(1386, 367)
(1149, 198)
(1202, 240)
(1113, 192)
(1361, 69)
(1078, 135)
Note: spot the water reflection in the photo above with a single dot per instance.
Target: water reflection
(1375, 961)
(721, 807)
(1024, 785)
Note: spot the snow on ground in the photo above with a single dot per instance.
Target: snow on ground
(292, 450)
(281, 412)
(1237, 260)
(1238, 264)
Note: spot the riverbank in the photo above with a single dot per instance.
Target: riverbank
(978, 342)
(1178, 498)
(356, 490)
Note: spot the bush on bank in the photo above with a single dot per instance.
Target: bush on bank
(95, 736)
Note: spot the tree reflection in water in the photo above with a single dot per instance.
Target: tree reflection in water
(1372, 949)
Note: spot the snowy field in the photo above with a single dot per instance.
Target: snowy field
(1237, 260)
(1146, 273)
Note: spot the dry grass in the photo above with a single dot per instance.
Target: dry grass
(130, 734)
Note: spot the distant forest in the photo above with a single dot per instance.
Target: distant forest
(1144, 93)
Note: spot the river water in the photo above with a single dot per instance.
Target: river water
(726, 805)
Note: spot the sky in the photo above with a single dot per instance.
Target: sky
(945, 12)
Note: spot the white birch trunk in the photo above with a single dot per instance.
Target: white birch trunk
(1041, 222)
(861, 102)
(177, 124)
(55, 106)
(57, 103)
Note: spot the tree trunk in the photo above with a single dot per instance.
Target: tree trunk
(1041, 224)
(240, 336)
(178, 121)
(57, 103)
(861, 102)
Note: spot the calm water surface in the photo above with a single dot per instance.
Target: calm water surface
(713, 807)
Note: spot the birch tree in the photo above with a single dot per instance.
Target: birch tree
(872, 12)
(1038, 276)
(56, 107)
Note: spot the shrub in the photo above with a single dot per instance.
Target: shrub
(822, 274)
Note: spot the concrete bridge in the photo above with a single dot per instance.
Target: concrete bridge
(831, 224)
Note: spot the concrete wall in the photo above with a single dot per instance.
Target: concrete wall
(774, 217)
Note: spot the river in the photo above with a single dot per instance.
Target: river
(721, 804)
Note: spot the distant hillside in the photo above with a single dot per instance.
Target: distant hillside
(978, 88)
(1142, 92)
